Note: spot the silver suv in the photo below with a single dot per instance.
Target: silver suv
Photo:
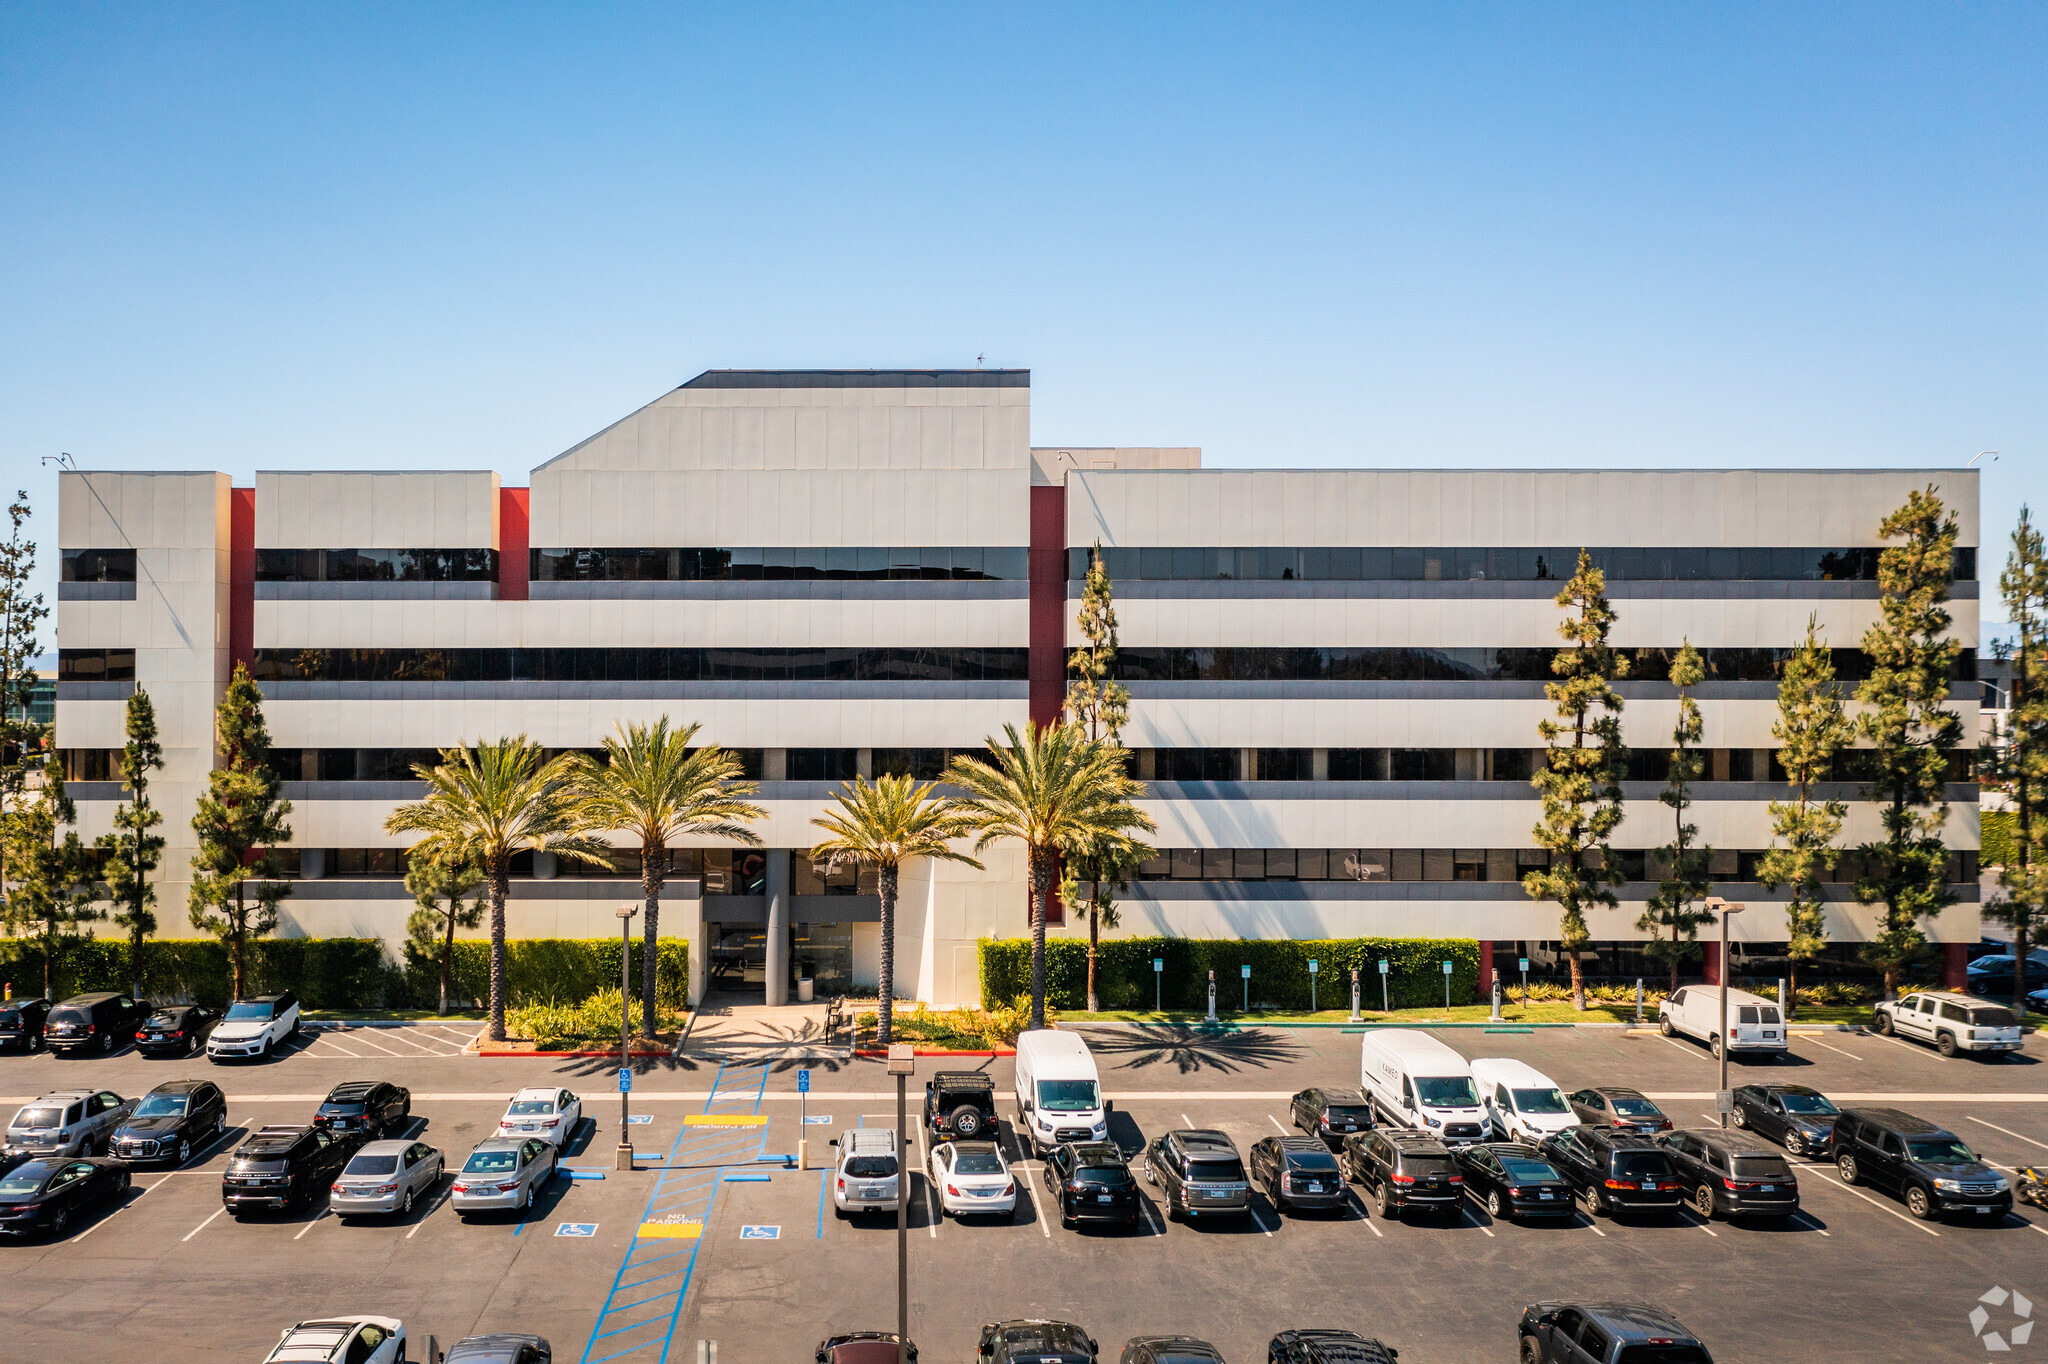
(69, 1122)
(1199, 1173)
(866, 1180)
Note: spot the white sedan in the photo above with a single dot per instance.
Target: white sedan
(973, 1179)
(550, 1114)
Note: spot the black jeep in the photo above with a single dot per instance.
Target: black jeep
(961, 1103)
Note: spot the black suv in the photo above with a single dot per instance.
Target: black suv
(1035, 1342)
(1328, 1347)
(961, 1103)
(1332, 1114)
(284, 1167)
(171, 1122)
(1198, 1171)
(859, 1347)
(175, 1031)
(21, 1023)
(1298, 1173)
(1169, 1350)
(1732, 1173)
(1613, 1170)
(1088, 1181)
(1402, 1170)
(1513, 1180)
(1797, 1118)
(1928, 1166)
(1606, 1333)
(99, 1022)
(372, 1109)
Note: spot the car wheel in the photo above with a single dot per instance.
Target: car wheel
(1739, 1117)
(1703, 1202)
(106, 1043)
(1664, 1025)
(1918, 1203)
(1795, 1143)
(184, 1149)
(1946, 1044)
(1382, 1201)
(1532, 1353)
(1717, 1046)
(405, 1208)
(60, 1223)
(1493, 1204)
(1592, 1202)
(967, 1121)
(1883, 1024)
(1845, 1166)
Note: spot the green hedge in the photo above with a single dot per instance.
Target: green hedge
(1280, 976)
(346, 973)
(1995, 830)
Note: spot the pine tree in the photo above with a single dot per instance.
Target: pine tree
(21, 612)
(1811, 729)
(1675, 906)
(1586, 760)
(52, 899)
(437, 888)
(1906, 717)
(133, 852)
(1100, 705)
(2023, 882)
(240, 822)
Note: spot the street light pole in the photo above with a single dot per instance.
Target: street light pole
(624, 1160)
(1721, 1030)
(902, 1063)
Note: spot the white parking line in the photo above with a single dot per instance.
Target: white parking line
(202, 1226)
(1151, 1217)
(1808, 1218)
(1836, 1050)
(1187, 1120)
(1693, 1219)
(1689, 1051)
(2007, 1130)
(931, 1186)
(1256, 1222)
(1475, 1221)
(1038, 1205)
(446, 1194)
(312, 1224)
(368, 1043)
(1922, 1051)
(330, 1042)
(1830, 1182)
(1276, 1122)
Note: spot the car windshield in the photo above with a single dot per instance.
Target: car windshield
(1761, 1167)
(871, 1167)
(25, 1179)
(372, 1165)
(39, 1117)
(1448, 1091)
(1993, 1018)
(1636, 1164)
(1104, 1175)
(1348, 1113)
(1315, 1162)
(1635, 1108)
(1527, 1169)
(978, 1163)
(529, 1108)
(491, 1162)
(1808, 1105)
(1939, 1151)
(1218, 1171)
(161, 1106)
(249, 1011)
(1540, 1101)
(1068, 1096)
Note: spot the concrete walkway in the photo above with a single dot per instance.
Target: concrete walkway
(725, 1028)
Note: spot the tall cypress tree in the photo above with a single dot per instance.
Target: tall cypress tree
(21, 612)
(240, 822)
(1585, 762)
(134, 851)
(2023, 881)
(1101, 706)
(1811, 729)
(52, 899)
(1675, 906)
(1911, 730)
(437, 888)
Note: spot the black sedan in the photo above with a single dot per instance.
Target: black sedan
(175, 1031)
(21, 1023)
(1799, 1119)
(50, 1195)
(1298, 1173)
(1615, 1106)
(1513, 1181)
(1090, 1182)
(173, 1120)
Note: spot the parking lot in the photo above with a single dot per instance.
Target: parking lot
(715, 1238)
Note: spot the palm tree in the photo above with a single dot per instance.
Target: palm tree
(652, 786)
(1056, 791)
(484, 803)
(883, 824)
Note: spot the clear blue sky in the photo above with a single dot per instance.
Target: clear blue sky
(294, 236)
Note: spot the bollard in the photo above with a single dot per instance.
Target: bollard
(1639, 999)
(1354, 996)
(1212, 994)
(1784, 1004)
(1496, 996)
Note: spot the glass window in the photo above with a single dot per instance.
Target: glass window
(1406, 864)
(1279, 864)
(1312, 864)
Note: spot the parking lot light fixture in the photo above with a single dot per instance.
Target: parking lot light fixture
(624, 1159)
(1726, 908)
(902, 1064)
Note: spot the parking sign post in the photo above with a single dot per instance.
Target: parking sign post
(1447, 985)
(1158, 976)
(1246, 972)
(624, 1156)
(1525, 982)
(1385, 1008)
(1311, 984)
(803, 1112)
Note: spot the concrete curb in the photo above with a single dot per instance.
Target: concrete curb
(1202, 1025)
(390, 1022)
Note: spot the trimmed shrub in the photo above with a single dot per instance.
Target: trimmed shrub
(1279, 980)
(1995, 833)
(565, 970)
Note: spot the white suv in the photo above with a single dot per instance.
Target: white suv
(254, 1027)
(355, 1340)
(1952, 1022)
(866, 1180)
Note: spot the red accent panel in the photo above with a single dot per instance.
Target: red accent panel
(1711, 963)
(1485, 970)
(242, 576)
(1955, 959)
(515, 517)
(1048, 603)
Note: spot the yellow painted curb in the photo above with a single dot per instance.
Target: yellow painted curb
(675, 1231)
(724, 1120)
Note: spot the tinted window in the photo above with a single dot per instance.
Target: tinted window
(343, 1110)
(373, 1165)
(1107, 1178)
(70, 1016)
(1761, 1167)
(1311, 1160)
(1343, 1113)
(1746, 1013)
(490, 1163)
(1993, 1018)
(39, 1117)
(1222, 1171)
(1636, 1164)
(871, 1167)
(1528, 1169)
(1954, 1013)
(1637, 1108)
(1808, 1105)
(978, 1163)
(25, 1179)
(1424, 1167)
(1939, 1151)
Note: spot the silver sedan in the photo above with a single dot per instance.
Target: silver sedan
(502, 1174)
(386, 1177)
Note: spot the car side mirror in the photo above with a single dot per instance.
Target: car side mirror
(1109, 1105)
(1028, 1108)
(823, 1358)
(833, 1142)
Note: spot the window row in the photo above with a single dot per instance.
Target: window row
(1479, 764)
(1457, 864)
(724, 871)
(1145, 663)
(637, 665)
(1480, 564)
(97, 566)
(376, 565)
(958, 563)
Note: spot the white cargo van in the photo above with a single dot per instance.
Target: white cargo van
(1059, 1095)
(1419, 1082)
(1521, 1102)
(1754, 1024)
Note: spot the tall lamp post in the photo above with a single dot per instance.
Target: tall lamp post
(624, 1159)
(902, 1064)
(1726, 908)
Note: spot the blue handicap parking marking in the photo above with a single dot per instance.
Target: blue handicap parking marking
(818, 1120)
(576, 1229)
(637, 1118)
(760, 1233)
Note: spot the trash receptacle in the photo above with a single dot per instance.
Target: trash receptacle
(803, 989)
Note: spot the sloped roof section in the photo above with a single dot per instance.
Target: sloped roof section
(862, 378)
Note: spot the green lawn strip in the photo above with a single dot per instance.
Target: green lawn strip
(1540, 1011)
